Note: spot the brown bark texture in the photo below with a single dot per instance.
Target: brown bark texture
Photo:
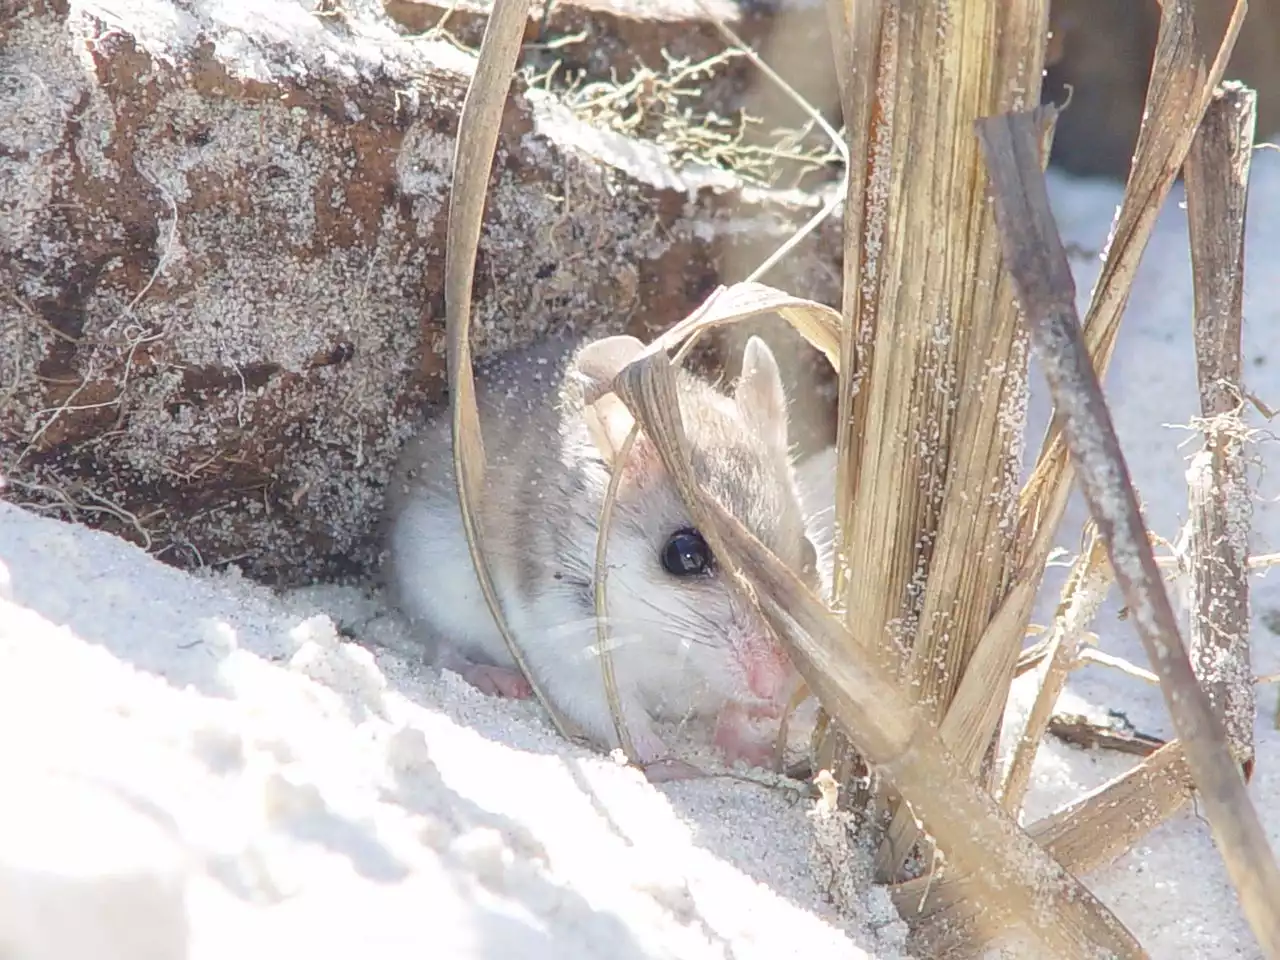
(222, 252)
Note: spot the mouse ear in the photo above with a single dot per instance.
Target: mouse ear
(610, 423)
(607, 418)
(760, 396)
(602, 360)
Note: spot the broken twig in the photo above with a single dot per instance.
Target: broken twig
(1217, 179)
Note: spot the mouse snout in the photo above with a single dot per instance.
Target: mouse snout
(769, 673)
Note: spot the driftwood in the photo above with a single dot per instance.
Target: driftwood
(221, 280)
(1220, 502)
(1046, 291)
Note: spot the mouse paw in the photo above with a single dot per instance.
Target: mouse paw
(497, 681)
(739, 739)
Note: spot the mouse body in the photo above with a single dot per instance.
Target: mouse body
(682, 644)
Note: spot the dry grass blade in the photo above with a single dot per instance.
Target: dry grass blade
(857, 32)
(601, 597)
(895, 734)
(1083, 836)
(478, 126)
(1038, 263)
(1217, 182)
(816, 322)
(1183, 77)
(1083, 594)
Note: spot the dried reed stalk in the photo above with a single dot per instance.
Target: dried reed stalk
(928, 428)
(896, 734)
(1217, 183)
(1046, 291)
(478, 126)
(1083, 836)
(1085, 590)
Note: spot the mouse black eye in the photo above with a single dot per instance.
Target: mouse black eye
(686, 554)
(808, 556)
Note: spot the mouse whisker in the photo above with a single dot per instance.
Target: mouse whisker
(629, 631)
(692, 626)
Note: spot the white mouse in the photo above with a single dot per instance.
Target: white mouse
(682, 644)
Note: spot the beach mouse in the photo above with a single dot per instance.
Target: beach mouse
(682, 644)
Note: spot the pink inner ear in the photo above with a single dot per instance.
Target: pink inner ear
(644, 465)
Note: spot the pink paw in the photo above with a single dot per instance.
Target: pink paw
(497, 681)
(740, 739)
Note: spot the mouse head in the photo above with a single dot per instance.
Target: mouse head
(667, 591)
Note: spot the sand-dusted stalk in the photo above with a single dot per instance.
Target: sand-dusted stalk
(1220, 506)
(1084, 835)
(930, 416)
(889, 502)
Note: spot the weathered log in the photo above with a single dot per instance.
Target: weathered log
(221, 251)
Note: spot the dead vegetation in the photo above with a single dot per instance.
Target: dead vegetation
(912, 659)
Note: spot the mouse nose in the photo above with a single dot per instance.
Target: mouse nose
(770, 675)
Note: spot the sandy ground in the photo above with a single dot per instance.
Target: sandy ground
(196, 767)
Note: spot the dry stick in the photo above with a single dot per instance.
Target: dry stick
(1078, 729)
(1217, 181)
(478, 126)
(895, 734)
(1046, 290)
(1082, 595)
(1083, 836)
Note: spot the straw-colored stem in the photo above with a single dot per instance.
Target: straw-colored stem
(603, 641)
(478, 126)
(895, 734)
(1083, 594)
(1084, 835)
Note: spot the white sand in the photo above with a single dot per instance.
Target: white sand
(194, 767)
